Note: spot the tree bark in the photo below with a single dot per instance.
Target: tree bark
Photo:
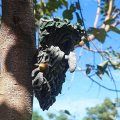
(17, 49)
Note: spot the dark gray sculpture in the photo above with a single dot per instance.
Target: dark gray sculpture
(57, 40)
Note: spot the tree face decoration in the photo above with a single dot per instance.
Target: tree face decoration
(57, 39)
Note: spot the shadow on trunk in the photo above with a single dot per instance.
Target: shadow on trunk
(17, 53)
(13, 111)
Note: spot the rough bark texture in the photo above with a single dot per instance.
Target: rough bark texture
(17, 48)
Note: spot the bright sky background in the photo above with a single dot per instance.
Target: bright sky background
(78, 91)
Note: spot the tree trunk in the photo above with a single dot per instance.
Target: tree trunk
(17, 49)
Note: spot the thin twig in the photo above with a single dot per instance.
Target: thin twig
(103, 85)
(109, 72)
(116, 23)
(92, 50)
(113, 82)
(116, 15)
(90, 77)
(90, 86)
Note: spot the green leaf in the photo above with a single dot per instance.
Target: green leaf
(35, 1)
(99, 74)
(101, 69)
(67, 112)
(72, 8)
(51, 115)
(115, 29)
(68, 14)
(99, 33)
(89, 68)
(64, 2)
(103, 65)
(115, 64)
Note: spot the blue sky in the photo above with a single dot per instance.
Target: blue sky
(78, 91)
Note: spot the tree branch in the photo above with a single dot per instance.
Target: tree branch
(97, 14)
(116, 23)
(92, 50)
(116, 15)
(109, 12)
(114, 90)
(106, 27)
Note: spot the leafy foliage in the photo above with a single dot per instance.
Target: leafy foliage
(105, 111)
(115, 29)
(61, 115)
(99, 33)
(35, 116)
(101, 68)
(47, 8)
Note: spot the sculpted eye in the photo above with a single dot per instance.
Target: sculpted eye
(46, 58)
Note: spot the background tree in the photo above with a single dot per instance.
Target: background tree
(35, 116)
(61, 115)
(105, 111)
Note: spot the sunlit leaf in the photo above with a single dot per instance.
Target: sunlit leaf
(101, 69)
(115, 64)
(99, 33)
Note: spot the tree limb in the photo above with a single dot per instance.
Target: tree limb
(116, 15)
(97, 14)
(116, 23)
(92, 50)
(114, 90)
(106, 27)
